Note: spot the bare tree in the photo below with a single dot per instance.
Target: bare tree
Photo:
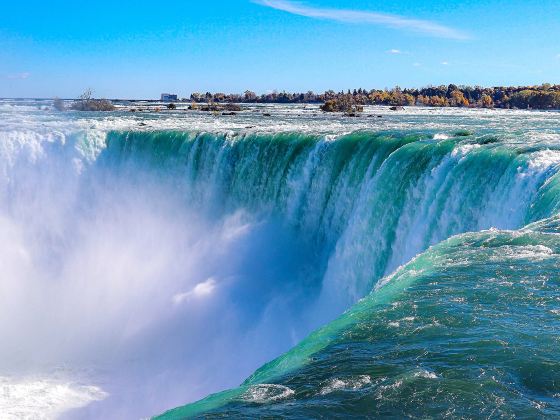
(86, 102)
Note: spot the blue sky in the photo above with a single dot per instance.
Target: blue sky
(140, 48)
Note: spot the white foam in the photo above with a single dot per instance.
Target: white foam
(425, 374)
(267, 393)
(528, 252)
(43, 398)
(543, 160)
(351, 383)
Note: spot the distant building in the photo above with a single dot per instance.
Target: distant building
(168, 97)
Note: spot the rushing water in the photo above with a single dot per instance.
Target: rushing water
(150, 259)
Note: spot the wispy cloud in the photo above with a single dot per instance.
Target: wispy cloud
(444, 63)
(394, 51)
(20, 76)
(367, 17)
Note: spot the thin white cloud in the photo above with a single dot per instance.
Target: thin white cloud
(20, 76)
(359, 16)
(394, 51)
(444, 63)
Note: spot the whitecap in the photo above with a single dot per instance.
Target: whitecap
(267, 393)
(352, 383)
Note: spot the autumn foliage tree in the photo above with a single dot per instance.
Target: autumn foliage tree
(545, 96)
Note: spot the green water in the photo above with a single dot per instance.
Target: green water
(468, 329)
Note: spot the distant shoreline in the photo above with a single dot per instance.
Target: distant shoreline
(545, 97)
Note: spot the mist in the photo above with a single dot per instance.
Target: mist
(113, 278)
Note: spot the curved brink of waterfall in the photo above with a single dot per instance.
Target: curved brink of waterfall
(370, 203)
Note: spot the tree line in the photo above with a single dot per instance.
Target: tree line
(545, 96)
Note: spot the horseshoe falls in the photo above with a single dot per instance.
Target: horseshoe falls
(295, 266)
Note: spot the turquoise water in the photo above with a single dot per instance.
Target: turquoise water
(403, 266)
(468, 329)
